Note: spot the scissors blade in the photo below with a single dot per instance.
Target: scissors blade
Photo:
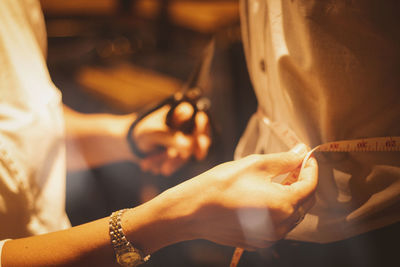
(200, 76)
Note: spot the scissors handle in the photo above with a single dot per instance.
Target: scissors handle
(187, 127)
(191, 97)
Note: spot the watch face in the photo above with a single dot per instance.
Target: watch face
(129, 258)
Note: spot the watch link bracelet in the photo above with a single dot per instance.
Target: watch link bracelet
(126, 254)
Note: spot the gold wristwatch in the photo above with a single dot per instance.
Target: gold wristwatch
(126, 254)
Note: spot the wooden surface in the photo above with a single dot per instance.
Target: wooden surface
(127, 87)
(79, 7)
(202, 16)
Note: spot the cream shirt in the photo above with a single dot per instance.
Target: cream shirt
(32, 149)
(329, 70)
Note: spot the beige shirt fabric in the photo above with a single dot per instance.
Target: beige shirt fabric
(32, 147)
(329, 71)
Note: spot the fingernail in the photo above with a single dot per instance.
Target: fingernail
(299, 149)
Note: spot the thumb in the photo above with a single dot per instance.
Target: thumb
(281, 163)
(307, 182)
(182, 114)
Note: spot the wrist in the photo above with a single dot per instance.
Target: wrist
(163, 221)
(117, 126)
(120, 124)
(188, 207)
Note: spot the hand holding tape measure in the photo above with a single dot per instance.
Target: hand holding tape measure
(377, 144)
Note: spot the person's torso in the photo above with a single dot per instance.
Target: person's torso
(32, 178)
(328, 71)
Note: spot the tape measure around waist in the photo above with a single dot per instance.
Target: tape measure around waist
(374, 144)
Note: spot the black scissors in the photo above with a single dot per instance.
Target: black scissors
(191, 93)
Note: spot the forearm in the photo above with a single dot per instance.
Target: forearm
(171, 222)
(148, 227)
(96, 139)
(232, 204)
(73, 247)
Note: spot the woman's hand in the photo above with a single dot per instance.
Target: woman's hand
(152, 133)
(237, 203)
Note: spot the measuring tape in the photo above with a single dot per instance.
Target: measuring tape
(375, 144)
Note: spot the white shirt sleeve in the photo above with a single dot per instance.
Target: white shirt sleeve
(1, 247)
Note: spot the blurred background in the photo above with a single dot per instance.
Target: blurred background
(121, 56)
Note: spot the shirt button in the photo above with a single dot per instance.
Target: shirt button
(262, 65)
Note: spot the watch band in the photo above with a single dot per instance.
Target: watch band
(126, 254)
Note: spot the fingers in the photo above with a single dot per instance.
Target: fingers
(177, 140)
(153, 163)
(306, 183)
(173, 162)
(196, 143)
(182, 113)
(292, 177)
(202, 139)
(201, 135)
(299, 213)
(281, 163)
(296, 217)
(178, 147)
(165, 163)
